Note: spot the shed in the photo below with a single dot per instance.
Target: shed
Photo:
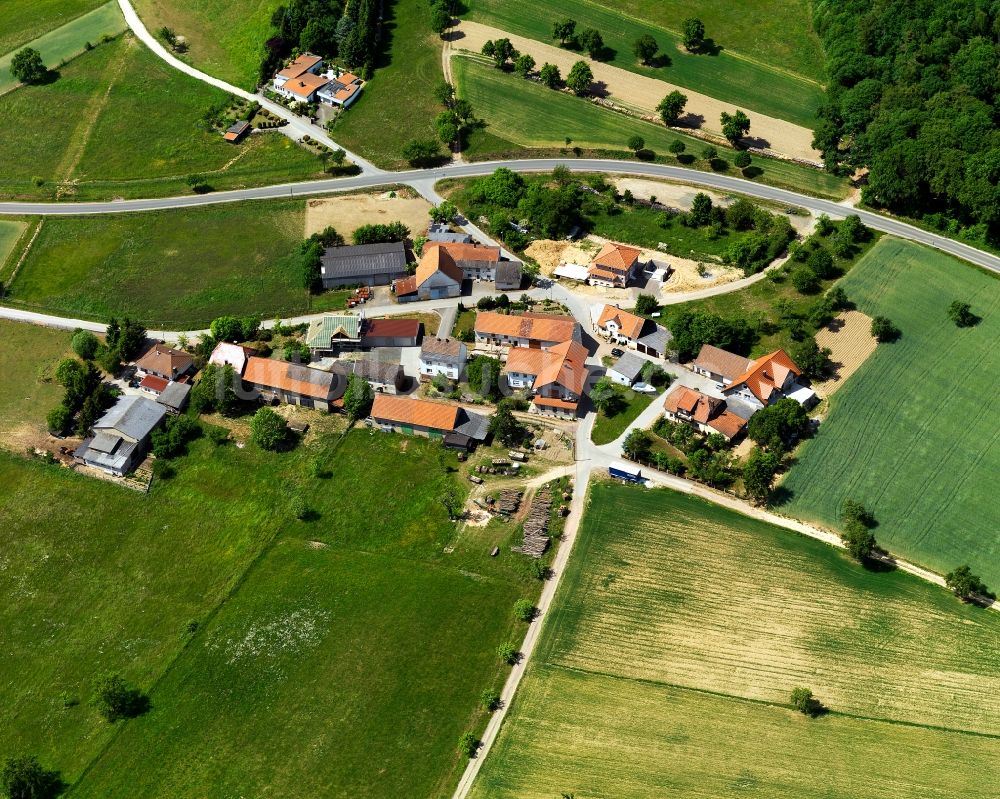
(390, 333)
(237, 131)
(627, 369)
(365, 265)
(174, 397)
(572, 272)
(508, 276)
(625, 471)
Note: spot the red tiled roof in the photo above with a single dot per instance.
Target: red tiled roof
(629, 324)
(405, 285)
(418, 413)
(305, 85)
(299, 66)
(536, 327)
(154, 383)
(697, 405)
(616, 257)
(765, 376)
(436, 260)
(727, 423)
(552, 402)
(466, 252)
(392, 328)
(164, 360)
(293, 378)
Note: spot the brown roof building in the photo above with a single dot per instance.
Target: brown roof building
(557, 374)
(294, 383)
(439, 420)
(163, 361)
(525, 330)
(437, 277)
(708, 414)
(721, 365)
(615, 265)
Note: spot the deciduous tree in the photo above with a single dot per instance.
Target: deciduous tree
(671, 107)
(693, 30)
(580, 78)
(645, 48)
(734, 126)
(27, 65)
(268, 430)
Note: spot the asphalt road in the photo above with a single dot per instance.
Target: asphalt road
(421, 179)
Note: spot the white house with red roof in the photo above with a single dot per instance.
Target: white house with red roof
(757, 382)
(305, 80)
(615, 266)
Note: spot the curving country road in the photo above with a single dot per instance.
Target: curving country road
(423, 180)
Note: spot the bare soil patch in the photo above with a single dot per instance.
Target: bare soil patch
(348, 212)
(850, 339)
(643, 93)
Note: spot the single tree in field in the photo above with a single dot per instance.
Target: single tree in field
(693, 30)
(563, 30)
(677, 147)
(451, 501)
(883, 329)
(742, 159)
(804, 702)
(964, 584)
(645, 48)
(524, 610)
(671, 107)
(27, 65)
(24, 778)
(859, 540)
(580, 78)
(592, 41)
(701, 209)
(115, 699)
(549, 75)
(440, 19)
(709, 153)
(636, 143)
(961, 314)
(734, 126)
(267, 429)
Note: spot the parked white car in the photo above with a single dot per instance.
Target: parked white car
(644, 388)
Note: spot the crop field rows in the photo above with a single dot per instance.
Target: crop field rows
(677, 635)
(921, 413)
(719, 609)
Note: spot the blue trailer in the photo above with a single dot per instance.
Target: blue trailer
(625, 471)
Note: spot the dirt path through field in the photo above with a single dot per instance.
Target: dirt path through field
(643, 93)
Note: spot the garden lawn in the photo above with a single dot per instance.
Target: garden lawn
(680, 630)
(529, 115)
(913, 433)
(58, 45)
(608, 428)
(398, 104)
(138, 133)
(10, 232)
(747, 84)
(173, 270)
(341, 656)
(225, 37)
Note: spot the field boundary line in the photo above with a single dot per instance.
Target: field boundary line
(24, 254)
(764, 702)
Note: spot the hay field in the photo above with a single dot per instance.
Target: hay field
(851, 343)
(348, 212)
(913, 434)
(680, 630)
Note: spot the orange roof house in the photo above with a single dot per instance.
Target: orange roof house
(558, 373)
(305, 86)
(163, 361)
(292, 382)
(766, 379)
(299, 67)
(615, 264)
(615, 321)
(525, 330)
(437, 276)
(415, 412)
(708, 414)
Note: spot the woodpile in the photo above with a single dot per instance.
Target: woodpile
(508, 502)
(536, 525)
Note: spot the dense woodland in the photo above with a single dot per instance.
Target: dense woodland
(913, 94)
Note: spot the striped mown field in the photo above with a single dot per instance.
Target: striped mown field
(681, 629)
(913, 434)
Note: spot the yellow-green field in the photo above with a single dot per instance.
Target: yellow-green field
(680, 630)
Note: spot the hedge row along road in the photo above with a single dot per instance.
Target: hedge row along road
(423, 181)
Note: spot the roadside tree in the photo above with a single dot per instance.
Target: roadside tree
(758, 474)
(549, 75)
(85, 344)
(637, 445)
(524, 65)
(636, 143)
(671, 107)
(580, 78)
(964, 584)
(734, 126)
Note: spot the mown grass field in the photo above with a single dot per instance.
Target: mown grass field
(523, 114)
(136, 131)
(26, 20)
(680, 630)
(173, 270)
(10, 231)
(778, 33)
(225, 37)
(748, 84)
(28, 357)
(398, 104)
(913, 433)
(342, 656)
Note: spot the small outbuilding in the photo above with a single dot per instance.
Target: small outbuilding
(628, 369)
(237, 131)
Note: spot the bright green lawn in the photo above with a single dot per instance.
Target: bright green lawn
(342, 656)
(608, 428)
(10, 232)
(778, 33)
(171, 269)
(747, 84)
(225, 37)
(398, 103)
(28, 356)
(674, 642)
(58, 29)
(527, 115)
(143, 139)
(913, 434)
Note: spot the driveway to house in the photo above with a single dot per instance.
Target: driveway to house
(297, 126)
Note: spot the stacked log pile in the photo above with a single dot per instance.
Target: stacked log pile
(536, 526)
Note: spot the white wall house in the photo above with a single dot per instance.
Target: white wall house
(443, 357)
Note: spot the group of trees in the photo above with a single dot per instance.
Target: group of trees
(589, 39)
(708, 457)
(379, 233)
(912, 94)
(234, 329)
(311, 254)
(455, 121)
(171, 439)
(857, 534)
(350, 32)
(440, 15)
(219, 388)
(774, 429)
(814, 260)
(693, 328)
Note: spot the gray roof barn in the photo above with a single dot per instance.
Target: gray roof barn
(656, 339)
(175, 396)
(374, 370)
(508, 275)
(377, 264)
(474, 425)
(132, 417)
(120, 435)
(441, 232)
